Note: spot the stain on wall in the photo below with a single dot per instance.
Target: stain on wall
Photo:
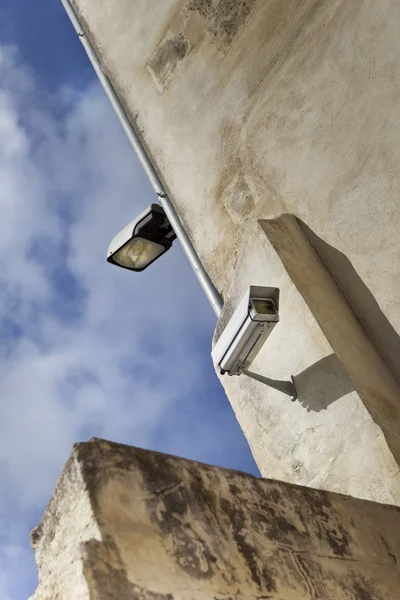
(222, 20)
(162, 65)
(204, 7)
(227, 20)
(236, 193)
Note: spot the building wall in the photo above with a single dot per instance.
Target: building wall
(255, 111)
(164, 528)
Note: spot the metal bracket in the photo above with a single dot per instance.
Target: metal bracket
(286, 387)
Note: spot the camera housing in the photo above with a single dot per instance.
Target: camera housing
(247, 330)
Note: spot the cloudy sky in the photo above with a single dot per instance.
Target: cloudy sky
(86, 349)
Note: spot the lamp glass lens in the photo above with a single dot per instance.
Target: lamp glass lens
(138, 253)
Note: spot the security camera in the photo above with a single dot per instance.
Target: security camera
(144, 240)
(247, 330)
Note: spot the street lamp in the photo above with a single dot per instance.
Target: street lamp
(141, 242)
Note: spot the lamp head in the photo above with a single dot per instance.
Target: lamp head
(141, 242)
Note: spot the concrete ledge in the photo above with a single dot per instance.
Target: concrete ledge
(163, 528)
(369, 373)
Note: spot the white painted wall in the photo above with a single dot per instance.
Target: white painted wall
(261, 108)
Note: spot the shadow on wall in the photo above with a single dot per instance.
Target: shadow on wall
(367, 310)
(322, 384)
(317, 387)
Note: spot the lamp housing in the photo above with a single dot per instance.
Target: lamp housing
(143, 241)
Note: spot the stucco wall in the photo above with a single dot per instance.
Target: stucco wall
(256, 109)
(164, 528)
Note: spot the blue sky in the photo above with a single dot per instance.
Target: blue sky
(86, 349)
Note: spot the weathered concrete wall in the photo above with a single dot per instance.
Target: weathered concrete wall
(257, 109)
(163, 528)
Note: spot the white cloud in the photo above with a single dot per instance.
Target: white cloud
(87, 349)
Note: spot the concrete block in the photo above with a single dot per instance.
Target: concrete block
(129, 524)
